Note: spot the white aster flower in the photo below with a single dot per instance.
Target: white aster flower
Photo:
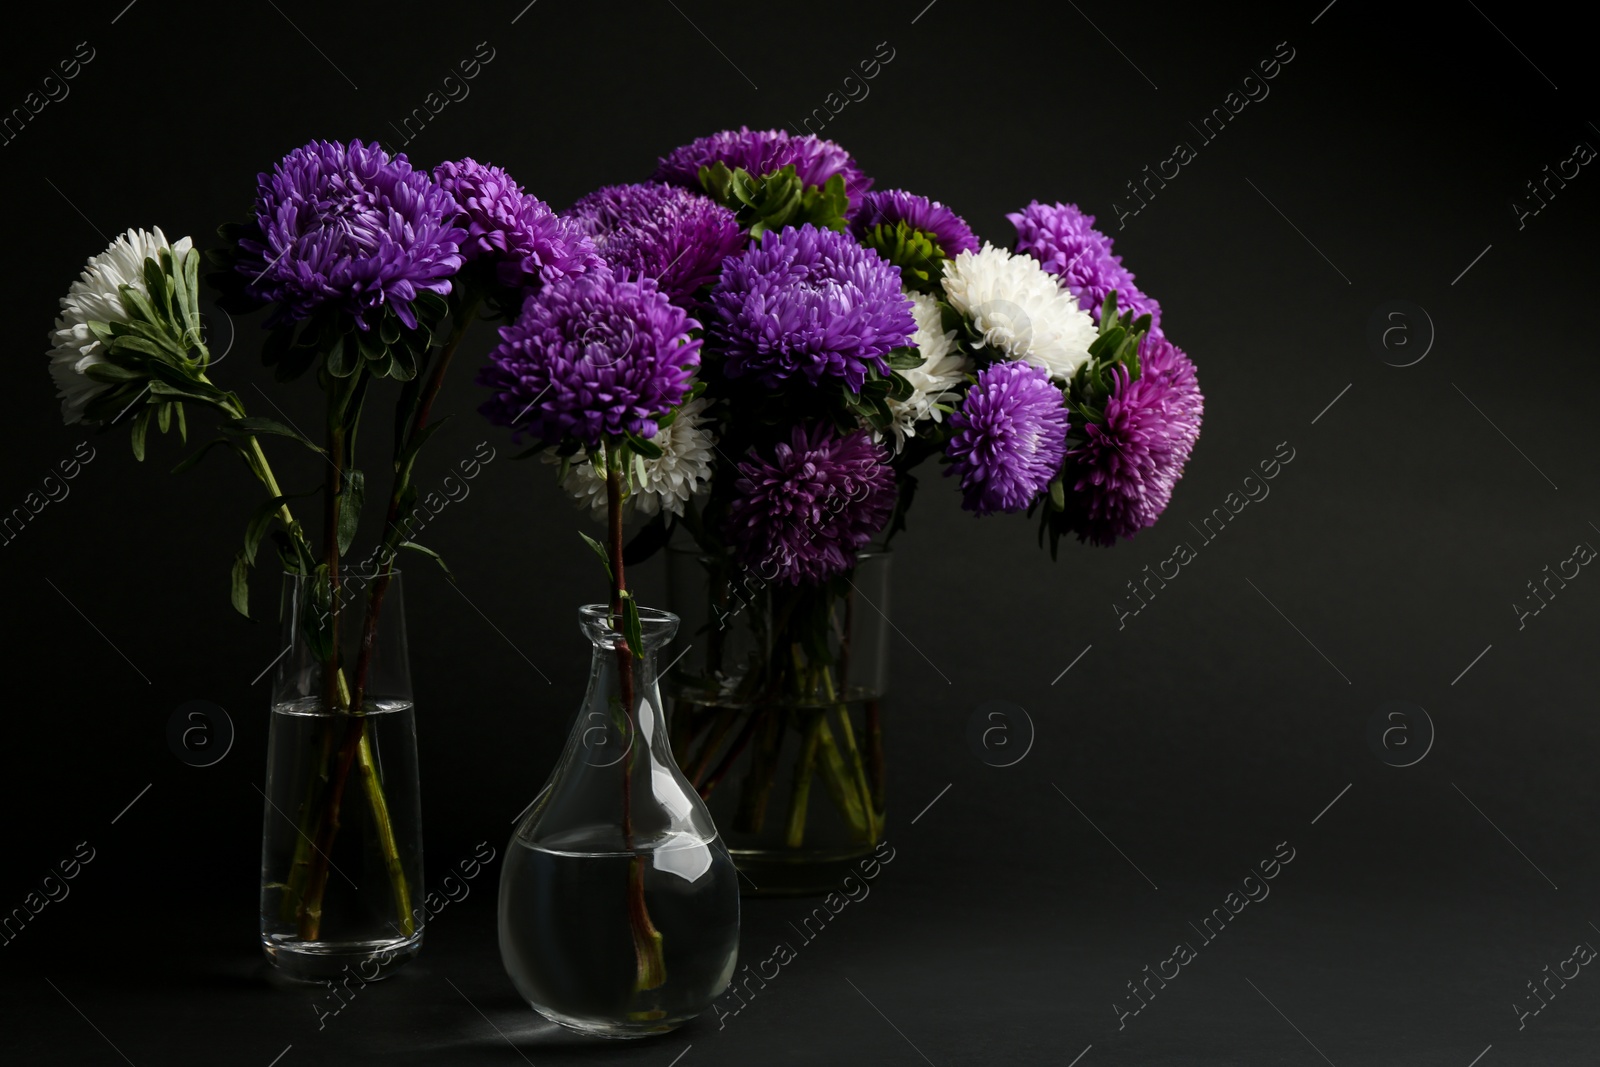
(1020, 309)
(669, 481)
(94, 297)
(944, 364)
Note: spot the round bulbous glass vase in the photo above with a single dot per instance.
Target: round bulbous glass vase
(619, 904)
(777, 714)
(341, 851)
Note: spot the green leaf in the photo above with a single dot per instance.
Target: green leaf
(240, 586)
(344, 356)
(193, 460)
(431, 554)
(647, 449)
(111, 372)
(253, 425)
(630, 625)
(350, 499)
(599, 550)
(1058, 495)
(141, 423)
(258, 524)
(906, 358)
(164, 417)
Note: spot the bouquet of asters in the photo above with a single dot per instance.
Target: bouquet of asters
(845, 335)
(373, 272)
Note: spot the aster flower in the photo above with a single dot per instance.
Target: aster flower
(801, 516)
(1064, 241)
(593, 356)
(527, 243)
(937, 381)
(912, 232)
(350, 227)
(675, 236)
(808, 304)
(1008, 438)
(667, 482)
(1019, 311)
(761, 153)
(1121, 478)
(97, 297)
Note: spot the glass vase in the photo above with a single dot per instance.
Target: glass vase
(777, 714)
(341, 851)
(619, 906)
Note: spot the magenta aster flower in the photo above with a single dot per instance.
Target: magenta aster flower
(763, 152)
(801, 516)
(592, 356)
(527, 243)
(346, 225)
(1064, 241)
(675, 236)
(1008, 437)
(1121, 478)
(810, 304)
(946, 229)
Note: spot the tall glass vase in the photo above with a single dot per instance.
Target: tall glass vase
(341, 852)
(619, 907)
(777, 714)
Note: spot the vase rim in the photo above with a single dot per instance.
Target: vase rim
(601, 614)
(351, 572)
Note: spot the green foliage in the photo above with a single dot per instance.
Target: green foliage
(599, 550)
(631, 630)
(773, 201)
(431, 554)
(350, 500)
(1116, 346)
(915, 252)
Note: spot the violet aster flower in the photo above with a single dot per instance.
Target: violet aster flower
(527, 243)
(1008, 437)
(351, 227)
(948, 231)
(810, 304)
(675, 236)
(1064, 241)
(763, 152)
(1121, 478)
(592, 356)
(801, 516)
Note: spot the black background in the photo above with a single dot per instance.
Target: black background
(1219, 722)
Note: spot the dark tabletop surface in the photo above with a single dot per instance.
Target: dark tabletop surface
(1231, 721)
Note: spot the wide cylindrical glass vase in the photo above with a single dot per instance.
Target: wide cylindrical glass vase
(341, 853)
(777, 698)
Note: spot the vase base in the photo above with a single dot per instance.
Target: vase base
(782, 873)
(612, 1029)
(319, 961)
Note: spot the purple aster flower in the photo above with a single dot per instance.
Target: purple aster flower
(1121, 478)
(947, 229)
(763, 152)
(592, 356)
(527, 243)
(1008, 437)
(675, 236)
(801, 516)
(1065, 242)
(348, 226)
(809, 303)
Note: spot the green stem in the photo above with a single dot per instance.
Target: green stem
(372, 784)
(800, 789)
(857, 766)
